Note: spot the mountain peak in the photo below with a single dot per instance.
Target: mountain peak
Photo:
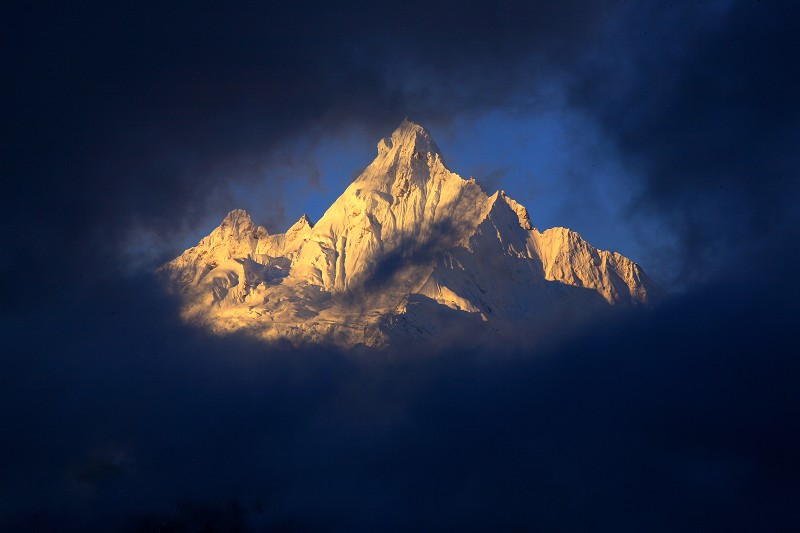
(237, 221)
(516, 207)
(408, 250)
(408, 124)
(236, 215)
(303, 222)
(409, 138)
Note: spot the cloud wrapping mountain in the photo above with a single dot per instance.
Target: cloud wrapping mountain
(116, 415)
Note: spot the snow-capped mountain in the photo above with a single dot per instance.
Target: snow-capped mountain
(409, 251)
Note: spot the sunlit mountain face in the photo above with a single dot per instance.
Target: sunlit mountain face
(409, 252)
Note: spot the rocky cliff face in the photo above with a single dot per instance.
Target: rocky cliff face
(409, 251)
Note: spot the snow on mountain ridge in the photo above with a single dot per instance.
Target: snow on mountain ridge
(408, 250)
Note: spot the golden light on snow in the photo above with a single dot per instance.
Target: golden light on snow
(407, 250)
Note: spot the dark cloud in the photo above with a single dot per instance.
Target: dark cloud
(490, 179)
(123, 118)
(119, 416)
(134, 122)
(144, 116)
(144, 111)
(703, 105)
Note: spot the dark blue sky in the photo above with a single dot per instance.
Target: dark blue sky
(665, 130)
